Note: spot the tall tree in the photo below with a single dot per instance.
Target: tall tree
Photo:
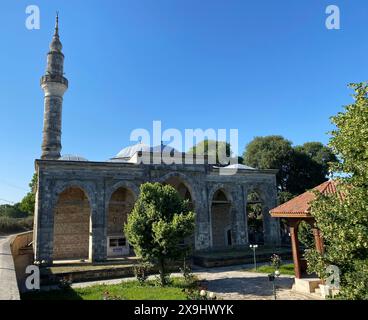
(300, 168)
(270, 152)
(343, 217)
(319, 153)
(158, 223)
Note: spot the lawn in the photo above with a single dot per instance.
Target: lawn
(127, 290)
(284, 269)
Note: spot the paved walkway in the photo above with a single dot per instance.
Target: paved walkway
(235, 284)
(232, 283)
(8, 280)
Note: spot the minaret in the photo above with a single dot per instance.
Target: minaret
(54, 86)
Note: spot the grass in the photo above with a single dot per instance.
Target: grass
(127, 290)
(284, 269)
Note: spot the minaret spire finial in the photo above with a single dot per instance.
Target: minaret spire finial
(57, 24)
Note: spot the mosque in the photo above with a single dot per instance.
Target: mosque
(82, 205)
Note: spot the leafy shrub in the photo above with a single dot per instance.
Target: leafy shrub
(276, 261)
(189, 278)
(305, 235)
(8, 225)
(141, 271)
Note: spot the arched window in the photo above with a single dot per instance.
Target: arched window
(72, 226)
(120, 205)
(221, 220)
(255, 218)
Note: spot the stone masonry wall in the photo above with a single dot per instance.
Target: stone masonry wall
(99, 181)
(71, 225)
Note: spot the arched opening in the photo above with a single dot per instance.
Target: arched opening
(222, 233)
(255, 218)
(72, 226)
(182, 189)
(120, 205)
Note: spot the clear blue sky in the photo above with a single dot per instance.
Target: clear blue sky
(263, 67)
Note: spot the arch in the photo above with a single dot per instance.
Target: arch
(126, 184)
(224, 188)
(181, 187)
(185, 180)
(222, 223)
(119, 205)
(88, 188)
(255, 216)
(72, 224)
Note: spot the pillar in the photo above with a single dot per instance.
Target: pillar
(295, 248)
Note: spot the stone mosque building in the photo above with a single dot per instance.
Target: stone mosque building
(82, 205)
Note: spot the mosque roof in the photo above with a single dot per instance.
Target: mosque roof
(239, 166)
(128, 152)
(72, 157)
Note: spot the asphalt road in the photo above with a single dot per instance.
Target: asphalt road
(8, 281)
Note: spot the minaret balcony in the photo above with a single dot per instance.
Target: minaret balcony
(54, 78)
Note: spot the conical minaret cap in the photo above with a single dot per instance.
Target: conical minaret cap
(55, 44)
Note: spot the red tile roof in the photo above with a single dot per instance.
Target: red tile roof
(300, 205)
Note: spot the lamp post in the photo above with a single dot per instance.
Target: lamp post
(254, 247)
(272, 277)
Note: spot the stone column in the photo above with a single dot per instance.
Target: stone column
(99, 229)
(239, 215)
(203, 222)
(44, 223)
(271, 225)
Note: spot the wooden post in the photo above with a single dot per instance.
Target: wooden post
(295, 248)
(318, 240)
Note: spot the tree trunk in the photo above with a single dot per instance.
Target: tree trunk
(161, 266)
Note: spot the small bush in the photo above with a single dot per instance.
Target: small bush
(141, 271)
(189, 278)
(276, 261)
(157, 280)
(8, 225)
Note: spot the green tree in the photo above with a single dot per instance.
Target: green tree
(300, 168)
(270, 152)
(12, 211)
(213, 149)
(304, 173)
(319, 153)
(28, 202)
(343, 217)
(158, 223)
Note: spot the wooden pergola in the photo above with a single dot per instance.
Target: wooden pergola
(297, 210)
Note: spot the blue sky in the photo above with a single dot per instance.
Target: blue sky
(263, 67)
